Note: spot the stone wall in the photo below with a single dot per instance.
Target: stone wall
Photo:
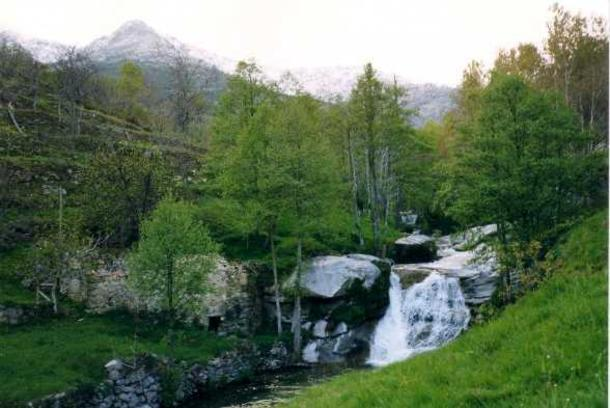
(140, 385)
(232, 298)
(229, 368)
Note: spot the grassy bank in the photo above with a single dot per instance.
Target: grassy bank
(547, 350)
(49, 356)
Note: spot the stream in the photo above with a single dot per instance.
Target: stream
(269, 389)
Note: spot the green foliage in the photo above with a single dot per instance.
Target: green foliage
(13, 267)
(172, 259)
(548, 349)
(122, 184)
(380, 148)
(132, 92)
(524, 165)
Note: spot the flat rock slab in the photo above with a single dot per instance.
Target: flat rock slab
(415, 247)
(475, 269)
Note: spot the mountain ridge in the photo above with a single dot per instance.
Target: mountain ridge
(136, 40)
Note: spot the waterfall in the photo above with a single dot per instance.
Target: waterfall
(420, 318)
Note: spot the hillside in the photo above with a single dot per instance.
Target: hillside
(47, 155)
(137, 41)
(548, 349)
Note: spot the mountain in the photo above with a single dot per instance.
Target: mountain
(137, 41)
(429, 100)
(42, 50)
(134, 40)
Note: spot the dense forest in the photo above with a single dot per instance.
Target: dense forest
(95, 165)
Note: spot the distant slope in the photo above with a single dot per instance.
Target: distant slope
(548, 350)
(136, 41)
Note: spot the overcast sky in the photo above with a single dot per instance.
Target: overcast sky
(424, 40)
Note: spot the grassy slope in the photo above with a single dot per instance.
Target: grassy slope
(549, 349)
(46, 357)
(47, 154)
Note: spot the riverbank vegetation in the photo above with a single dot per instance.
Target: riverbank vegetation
(547, 349)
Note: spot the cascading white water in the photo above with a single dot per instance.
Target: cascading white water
(420, 318)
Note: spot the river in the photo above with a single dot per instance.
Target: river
(269, 389)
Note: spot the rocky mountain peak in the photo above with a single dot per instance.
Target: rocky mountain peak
(133, 40)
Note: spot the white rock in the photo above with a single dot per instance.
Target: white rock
(310, 352)
(476, 270)
(319, 329)
(414, 239)
(331, 276)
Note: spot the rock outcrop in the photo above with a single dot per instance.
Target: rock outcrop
(344, 296)
(476, 270)
(333, 276)
(415, 247)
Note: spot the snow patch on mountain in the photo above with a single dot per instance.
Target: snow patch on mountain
(137, 41)
(42, 50)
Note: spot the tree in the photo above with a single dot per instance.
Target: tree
(523, 167)
(122, 185)
(250, 177)
(246, 90)
(378, 137)
(578, 66)
(75, 71)
(185, 94)
(240, 156)
(525, 61)
(19, 80)
(132, 92)
(365, 104)
(172, 259)
(303, 178)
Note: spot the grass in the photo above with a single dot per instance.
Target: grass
(50, 356)
(547, 350)
(11, 290)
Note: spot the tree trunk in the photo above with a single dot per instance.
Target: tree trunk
(276, 285)
(78, 119)
(54, 294)
(374, 200)
(13, 118)
(354, 176)
(170, 303)
(296, 316)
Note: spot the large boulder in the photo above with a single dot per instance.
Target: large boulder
(413, 248)
(333, 276)
(343, 297)
(344, 344)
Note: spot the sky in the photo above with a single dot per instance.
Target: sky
(424, 40)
